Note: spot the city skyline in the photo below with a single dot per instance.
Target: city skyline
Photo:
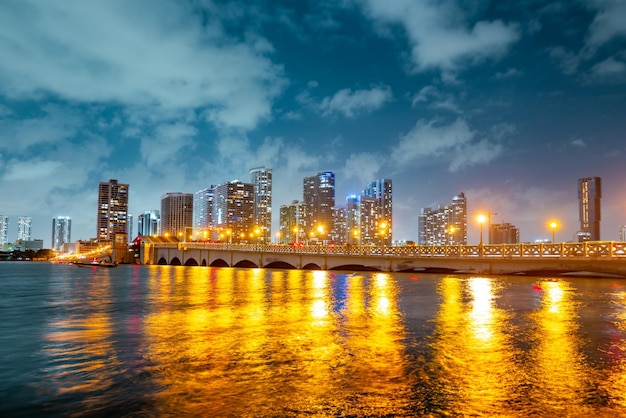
(508, 103)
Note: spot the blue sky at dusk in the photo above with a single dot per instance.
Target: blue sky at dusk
(508, 101)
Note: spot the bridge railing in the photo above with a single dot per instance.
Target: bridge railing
(595, 249)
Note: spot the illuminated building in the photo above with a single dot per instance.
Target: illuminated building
(589, 194)
(112, 210)
(503, 233)
(176, 214)
(261, 178)
(291, 222)
(149, 223)
(318, 196)
(203, 212)
(4, 230)
(381, 191)
(24, 228)
(233, 212)
(61, 232)
(445, 225)
(622, 233)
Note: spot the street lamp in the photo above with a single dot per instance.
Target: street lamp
(383, 232)
(451, 231)
(481, 220)
(553, 226)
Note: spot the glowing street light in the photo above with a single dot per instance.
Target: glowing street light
(451, 231)
(553, 226)
(481, 220)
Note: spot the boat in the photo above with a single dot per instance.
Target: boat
(96, 264)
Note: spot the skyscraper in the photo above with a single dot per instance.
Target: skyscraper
(233, 212)
(61, 232)
(148, 223)
(589, 194)
(381, 191)
(444, 225)
(24, 228)
(4, 230)
(112, 210)
(318, 196)
(177, 215)
(291, 223)
(203, 212)
(261, 178)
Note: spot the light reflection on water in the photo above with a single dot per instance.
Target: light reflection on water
(197, 341)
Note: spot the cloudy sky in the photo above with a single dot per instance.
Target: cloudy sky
(510, 102)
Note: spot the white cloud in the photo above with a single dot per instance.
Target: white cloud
(32, 170)
(609, 22)
(456, 143)
(436, 99)
(363, 166)
(351, 103)
(609, 70)
(440, 36)
(153, 54)
(57, 124)
(166, 143)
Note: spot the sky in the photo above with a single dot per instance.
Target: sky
(510, 102)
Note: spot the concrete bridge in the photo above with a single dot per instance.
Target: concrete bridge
(599, 257)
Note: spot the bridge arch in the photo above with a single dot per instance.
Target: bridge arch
(175, 262)
(311, 266)
(219, 263)
(191, 262)
(203, 263)
(162, 261)
(280, 265)
(246, 264)
(355, 267)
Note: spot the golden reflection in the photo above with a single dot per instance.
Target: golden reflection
(472, 348)
(79, 343)
(558, 362)
(615, 383)
(257, 343)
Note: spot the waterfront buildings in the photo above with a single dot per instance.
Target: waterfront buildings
(503, 233)
(589, 195)
(261, 179)
(177, 215)
(4, 230)
(444, 225)
(318, 197)
(24, 227)
(112, 215)
(622, 233)
(203, 213)
(233, 212)
(61, 232)
(149, 223)
(291, 223)
(381, 192)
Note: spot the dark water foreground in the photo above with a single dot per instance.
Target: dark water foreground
(196, 341)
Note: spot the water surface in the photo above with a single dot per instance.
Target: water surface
(199, 341)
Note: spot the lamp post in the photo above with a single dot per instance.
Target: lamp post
(451, 231)
(553, 226)
(481, 220)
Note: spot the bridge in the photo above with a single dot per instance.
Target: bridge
(597, 257)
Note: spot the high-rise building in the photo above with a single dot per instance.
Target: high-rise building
(203, 213)
(24, 228)
(129, 231)
(148, 223)
(177, 215)
(318, 197)
(112, 210)
(339, 233)
(291, 221)
(589, 195)
(622, 233)
(233, 212)
(445, 225)
(503, 233)
(261, 178)
(353, 220)
(4, 230)
(381, 191)
(61, 232)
